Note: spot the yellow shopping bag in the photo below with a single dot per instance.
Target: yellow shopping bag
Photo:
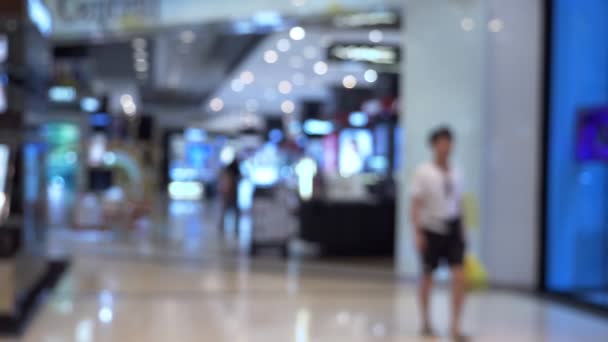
(475, 274)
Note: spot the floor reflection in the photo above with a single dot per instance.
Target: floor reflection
(183, 280)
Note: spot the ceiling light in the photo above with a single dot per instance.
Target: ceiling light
(467, 24)
(297, 33)
(371, 76)
(376, 36)
(216, 104)
(130, 109)
(247, 77)
(288, 107)
(126, 99)
(320, 68)
(283, 45)
(285, 87)
(298, 3)
(349, 81)
(271, 56)
(496, 25)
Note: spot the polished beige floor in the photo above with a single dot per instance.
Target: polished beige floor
(192, 288)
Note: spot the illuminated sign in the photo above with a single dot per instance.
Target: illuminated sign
(62, 94)
(318, 127)
(104, 10)
(364, 53)
(358, 119)
(90, 104)
(367, 19)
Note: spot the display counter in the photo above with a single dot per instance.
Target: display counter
(26, 275)
(349, 228)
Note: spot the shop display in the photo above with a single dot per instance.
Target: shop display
(330, 154)
(63, 141)
(273, 220)
(576, 216)
(97, 149)
(356, 146)
(195, 160)
(263, 168)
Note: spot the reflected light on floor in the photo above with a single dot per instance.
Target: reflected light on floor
(302, 326)
(84, 331)
(106, 315)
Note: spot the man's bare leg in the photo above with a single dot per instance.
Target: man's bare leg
(426, 286)
(458, 296)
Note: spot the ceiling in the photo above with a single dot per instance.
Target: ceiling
(77, 19)
(295, 66)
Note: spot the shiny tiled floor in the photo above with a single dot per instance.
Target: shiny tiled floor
(188, 287)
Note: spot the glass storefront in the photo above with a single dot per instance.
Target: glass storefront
(577, 166)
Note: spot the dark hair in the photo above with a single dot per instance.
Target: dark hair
(442, 132)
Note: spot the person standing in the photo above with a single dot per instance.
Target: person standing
(436, 215)
(228, 186)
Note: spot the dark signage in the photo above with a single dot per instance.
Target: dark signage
(592, 135)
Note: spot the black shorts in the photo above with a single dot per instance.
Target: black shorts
(440, 248)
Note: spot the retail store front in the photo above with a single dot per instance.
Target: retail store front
(576, 235)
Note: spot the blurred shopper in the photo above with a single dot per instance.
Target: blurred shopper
(437, 212)
(228, 186)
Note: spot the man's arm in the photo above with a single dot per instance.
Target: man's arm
(416, 211)
(463, 218)
(417, 223)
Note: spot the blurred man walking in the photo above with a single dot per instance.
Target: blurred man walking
(437, 220)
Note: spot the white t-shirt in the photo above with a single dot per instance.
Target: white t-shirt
(441, 196)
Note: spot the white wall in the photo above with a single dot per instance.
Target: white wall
(487, 86)
(511, 177)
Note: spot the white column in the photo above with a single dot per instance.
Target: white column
(509, 242)
(443, 78)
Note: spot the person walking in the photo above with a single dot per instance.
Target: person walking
(436, 215)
